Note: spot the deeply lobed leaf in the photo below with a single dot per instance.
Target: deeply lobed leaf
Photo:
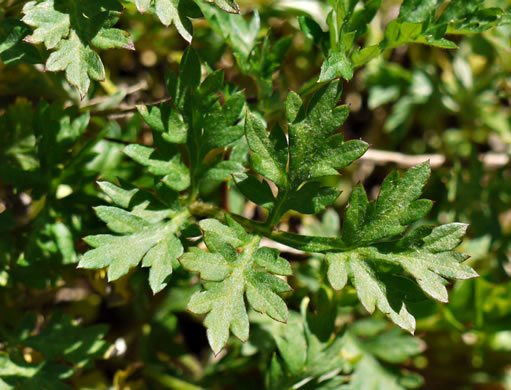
(312, 153)
(147, 235)
(234, 275)
(74, 29)
(426, 253)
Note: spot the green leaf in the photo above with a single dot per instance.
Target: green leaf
(369, 373)
(175, 173)
(336, 65)
(12, 47)
(303, 356)
(417, 11)
(312, 198)
(361, 57)
(63, 339)
(239, 34)
(396, 207)
(393, 346)
(179, 12)
(269, 154)
(59, 341)
(147, 235)
(223, 170)
(424, 22)
(233, 275)
(258, 192)
(426, 254)
(65, 242)
(312, 153)
(221, 126)
(180, 88)
(166, 121)
(16, 372)
(119, 196)
(313, 150)
(197, 119)
(73, 29)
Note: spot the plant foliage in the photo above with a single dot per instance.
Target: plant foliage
(220, 177)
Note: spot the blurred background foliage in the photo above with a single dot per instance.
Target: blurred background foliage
(413, 99)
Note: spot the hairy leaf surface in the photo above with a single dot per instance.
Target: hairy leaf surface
(74, 29)
(234, 275)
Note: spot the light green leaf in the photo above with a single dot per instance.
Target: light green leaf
(234, 276)
(162, 258)
(51, 25)
(121, 253)
(179, 12)
(371, 291)
(425, 254)
(112, 38)
(148, 235)
(72, 29)
(269, 258)
(79, 62)
(119, 220)
(168, 13)
(227, 5)
(396, 207)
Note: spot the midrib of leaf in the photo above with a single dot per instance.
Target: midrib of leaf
(231, 290)
(246, 260)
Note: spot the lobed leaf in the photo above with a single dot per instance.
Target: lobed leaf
(175, 173)
(426, 254)
(74, 29)
(233, 275)
(147, 236)
(312, 153)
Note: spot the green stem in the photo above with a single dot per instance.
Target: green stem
(178, 220)
(314, 244)
(168, 381)
(276, 212)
